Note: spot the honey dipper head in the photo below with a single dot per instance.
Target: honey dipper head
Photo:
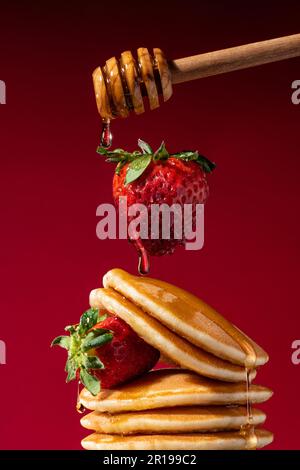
(120, 85)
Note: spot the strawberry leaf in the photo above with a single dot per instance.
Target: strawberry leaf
(94, 340)
(117, 154)
(119, 167)
(145, 147)
(136, 168)
(95, 333)
(90, 382)
(188, 156)
(71, 370)
(206, 164)
(93, 362)
(71, 329)
(161, 153)
(88, 320)
(62, 341)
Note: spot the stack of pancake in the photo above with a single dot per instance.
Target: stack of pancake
(204, 401)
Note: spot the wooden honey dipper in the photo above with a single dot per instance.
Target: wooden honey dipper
(121, 84)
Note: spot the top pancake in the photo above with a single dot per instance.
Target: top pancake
(171, 345)
(188, 316)
(168, 388)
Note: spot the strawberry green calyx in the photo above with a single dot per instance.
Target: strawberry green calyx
(81, 344)
(139, 160)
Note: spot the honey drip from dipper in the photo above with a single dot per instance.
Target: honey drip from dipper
(106, 135)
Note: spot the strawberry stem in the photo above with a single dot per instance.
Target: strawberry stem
(84, 339)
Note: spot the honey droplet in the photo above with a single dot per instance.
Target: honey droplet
(144, 258)
(106, 135)
(144, 263)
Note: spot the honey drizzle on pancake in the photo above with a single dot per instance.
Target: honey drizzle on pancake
(247, 431)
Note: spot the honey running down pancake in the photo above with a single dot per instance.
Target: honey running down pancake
(171, 387)
(188, 316)
(217, 441)
(180, 351)
(172, 420)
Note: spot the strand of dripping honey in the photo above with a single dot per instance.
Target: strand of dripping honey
(79, 406)
(106, 135)
(247, 430)
(144, 258)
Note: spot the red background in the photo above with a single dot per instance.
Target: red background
(52, 181)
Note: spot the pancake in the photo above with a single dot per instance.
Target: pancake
(217, 441)
(188, 316)
(168, 388)
(172, 420)
(180, 351)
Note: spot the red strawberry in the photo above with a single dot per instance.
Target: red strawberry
(160, 178)
(105, 351)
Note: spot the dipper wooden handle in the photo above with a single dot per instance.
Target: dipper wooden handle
(234, 58)
(120, 85)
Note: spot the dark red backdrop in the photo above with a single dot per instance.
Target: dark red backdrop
(52, 181)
